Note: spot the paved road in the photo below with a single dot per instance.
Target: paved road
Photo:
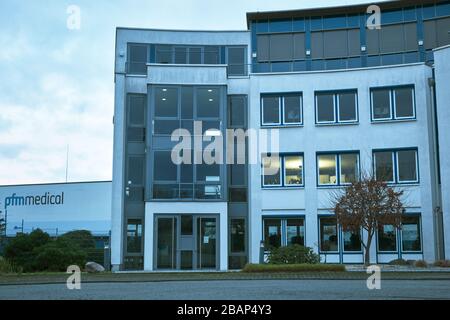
(239, 290)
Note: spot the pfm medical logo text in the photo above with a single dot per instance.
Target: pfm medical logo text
(38, 200)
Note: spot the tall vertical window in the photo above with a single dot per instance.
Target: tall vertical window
(137, 58)
(352, 241)
(237, 235)
(328, 234)
(236, 60)
(337, 168)
(411, 233)
(136, 117)
(396, 166)
(387, 238)
(395, 103)
(285, 109)
(336, 107)
(134, 236)
(283, 170)
(283, 232)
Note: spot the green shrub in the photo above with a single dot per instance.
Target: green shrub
(19, 250)
(293, 254)
(81, 238)
(57, 256)
(8, 267)
(259, 268)
(421, 264)
(442, 263)
(398, 262)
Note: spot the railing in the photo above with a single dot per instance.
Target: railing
(187, 191)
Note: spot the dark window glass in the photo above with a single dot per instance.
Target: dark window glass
(186, 260)
(292, 109)
(236, 61)
(136, 170)
(335, 44)
(263, 48)
(384, 166)
(392, 39)
(165, 191)
(352, 241)
(195, 55)
(272, 233)
(443, 35)
(317, 45)
(430, 35)
(373, 41)
(349, 168)
(411, 43)
(212, 55)
(381, 104)
(180, 55)
(299, 46)
(208, 103)
(237, 235)
(271, 110)
(327, 169)
(163, 54)
(411, 233)
(281, 47)
(237, 111)
(237, 194)
(295, 231)
(187, 103)
(237, 174)
(347, 106)
(404, 103)
(165, 127)
(271, 171)
(407, 170)
(354, 42)
(134, 236)
(325, 107)
(137, 59)
(166, 102)
(208, 173)
(186, 173)
(136, 134)
(186, 225)
(387, 238)
(328, 234)
(136, 107)
(163, 167)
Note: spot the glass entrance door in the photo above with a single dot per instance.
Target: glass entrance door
(166, 243)
(206, 243)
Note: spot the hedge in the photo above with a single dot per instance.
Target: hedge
(294, 268)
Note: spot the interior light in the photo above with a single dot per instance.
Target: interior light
(211, 100)
(163, 99)
(209, 90)
(165, 90)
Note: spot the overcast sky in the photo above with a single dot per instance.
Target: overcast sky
(56, 84)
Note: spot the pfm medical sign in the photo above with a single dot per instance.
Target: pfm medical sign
(47, 199)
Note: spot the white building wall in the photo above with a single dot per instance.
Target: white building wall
(442, 76)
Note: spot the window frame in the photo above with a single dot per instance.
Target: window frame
(283, 228)
(141, 244)
(419, 217)
(393, 104)
(136, 44)
(281, 109)
(336, 107)
(282, 171)
(395, 167)
(337, 155)
(338, 235)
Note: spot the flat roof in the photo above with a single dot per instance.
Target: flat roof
(53, 183)
(336, 10)
(178, 30)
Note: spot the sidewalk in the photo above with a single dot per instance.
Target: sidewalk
(396, 268)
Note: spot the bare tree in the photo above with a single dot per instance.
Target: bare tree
(368, 204)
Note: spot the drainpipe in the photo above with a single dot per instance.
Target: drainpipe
(437, 199)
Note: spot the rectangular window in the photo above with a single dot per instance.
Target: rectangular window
(336, 107)
(237, 111)
(137, 58)
(387, 238)
(283, 232)
(279, 110)
(328, 234)
(212, 55)
(237, 235)
(208, 103)
(166, 102)
(164, 54)
(291, 165)
(236, 60)
(411, 234)
(397, 166)
(352, 241)
(134, 236)
(136, 117)
(163, 167)
(271, 171)
(394, 103)
(337, 168)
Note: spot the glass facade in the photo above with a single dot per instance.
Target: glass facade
(408, 34)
